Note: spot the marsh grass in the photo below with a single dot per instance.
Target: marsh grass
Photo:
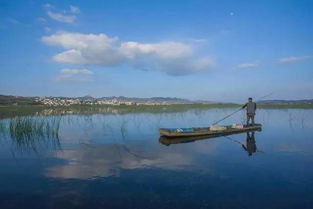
(29, 132)
(2, 127)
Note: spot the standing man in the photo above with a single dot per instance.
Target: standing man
(251, 108)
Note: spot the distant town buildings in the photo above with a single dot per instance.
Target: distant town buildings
(59, 101)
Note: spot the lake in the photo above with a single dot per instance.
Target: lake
(116, 159)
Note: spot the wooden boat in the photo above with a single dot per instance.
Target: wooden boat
(205, 131)
(187, 139)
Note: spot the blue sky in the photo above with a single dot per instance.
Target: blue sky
(197, 49)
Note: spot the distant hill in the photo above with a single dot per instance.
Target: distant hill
(85, 98)
(10, 100)
(20, 100)
(172, 100)
(303, 101)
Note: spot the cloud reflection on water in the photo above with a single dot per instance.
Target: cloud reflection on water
(108, 160)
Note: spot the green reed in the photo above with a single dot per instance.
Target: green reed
(31, 131)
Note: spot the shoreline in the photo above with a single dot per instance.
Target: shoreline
(43, 110)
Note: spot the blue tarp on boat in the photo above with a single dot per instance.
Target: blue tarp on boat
(181, 130)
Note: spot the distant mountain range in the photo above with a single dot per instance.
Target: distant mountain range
(142, 100)
(9, 99)
(302, 101)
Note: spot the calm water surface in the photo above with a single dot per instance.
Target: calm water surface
(117, 161)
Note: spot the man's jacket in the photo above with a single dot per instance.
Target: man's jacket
(251, 107)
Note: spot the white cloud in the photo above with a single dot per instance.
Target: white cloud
(75, 75)
(165, 49)
(293, 59)
(85, 48)
(74, 10)
(61, 17)
(247, 65)
(174, 58)
(64, 16)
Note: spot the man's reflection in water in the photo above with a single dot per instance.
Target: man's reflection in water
(250, 146)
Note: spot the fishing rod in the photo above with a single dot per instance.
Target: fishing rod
(227, 116)
(239, 110)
